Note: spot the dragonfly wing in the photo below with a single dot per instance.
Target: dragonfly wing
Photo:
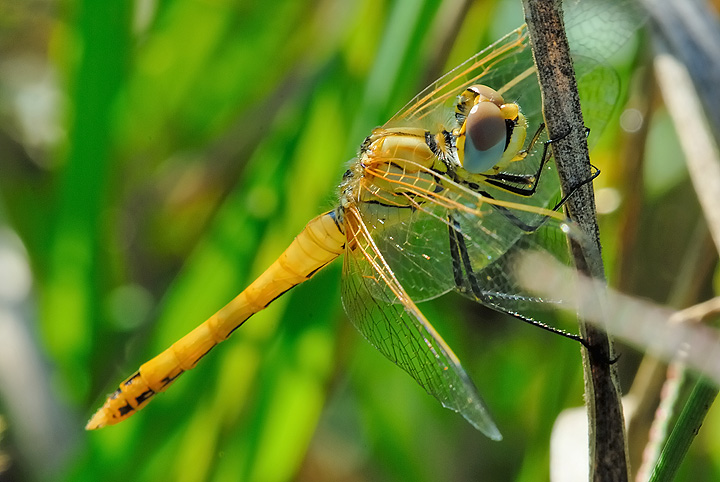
(507, 60)
(507, 63)
(415, 247)
(383, 312)
(462, 236)
(599, 88)
(487, 249)
(507, 67)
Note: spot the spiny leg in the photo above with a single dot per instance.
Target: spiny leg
(461, 260)
(530, 228)
(575, 189)
(465, 278)
(507, 181)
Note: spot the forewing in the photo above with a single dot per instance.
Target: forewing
(457, 235)
(387, 317)
(414, 244)
(488, 249)
(441, 234)
(507, 66)
(507, 59)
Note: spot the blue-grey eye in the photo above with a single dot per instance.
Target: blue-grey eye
(485, 137)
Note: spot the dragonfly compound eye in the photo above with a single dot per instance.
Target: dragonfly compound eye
(486, 94)
(486, 135)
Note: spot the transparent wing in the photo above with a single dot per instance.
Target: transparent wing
(415, 246)
(507, 67)
(597, 31)
(452, 234)
(456, 237)
(384, 313)
(500, 64)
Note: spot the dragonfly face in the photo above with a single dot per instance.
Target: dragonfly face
(430, 205)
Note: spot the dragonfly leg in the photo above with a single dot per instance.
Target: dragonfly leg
(572, 191)
(531, 228)
(528, 228)
(467, 282)
(597, 351)
(508, 181)
(543, 326)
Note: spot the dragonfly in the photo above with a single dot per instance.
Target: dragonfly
(437, 200)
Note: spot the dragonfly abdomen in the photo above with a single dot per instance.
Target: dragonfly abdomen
(317, 245)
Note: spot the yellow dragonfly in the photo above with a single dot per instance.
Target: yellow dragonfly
(435, 201)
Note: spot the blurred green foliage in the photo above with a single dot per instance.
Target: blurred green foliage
(194, 139)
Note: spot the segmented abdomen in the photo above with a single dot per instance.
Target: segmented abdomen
(318, 244)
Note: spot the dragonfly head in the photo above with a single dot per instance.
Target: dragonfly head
(492, 131)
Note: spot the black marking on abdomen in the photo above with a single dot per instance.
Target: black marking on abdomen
(203, 355)
(240, 324)
(125, 409)
(334, 216)
(312, 273)
(279, 295)
(168, 380)
(132, 377)
(144, 396)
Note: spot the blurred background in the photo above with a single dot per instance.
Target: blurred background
(156, 156)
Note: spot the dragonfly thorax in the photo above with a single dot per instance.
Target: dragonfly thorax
(393, 161)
